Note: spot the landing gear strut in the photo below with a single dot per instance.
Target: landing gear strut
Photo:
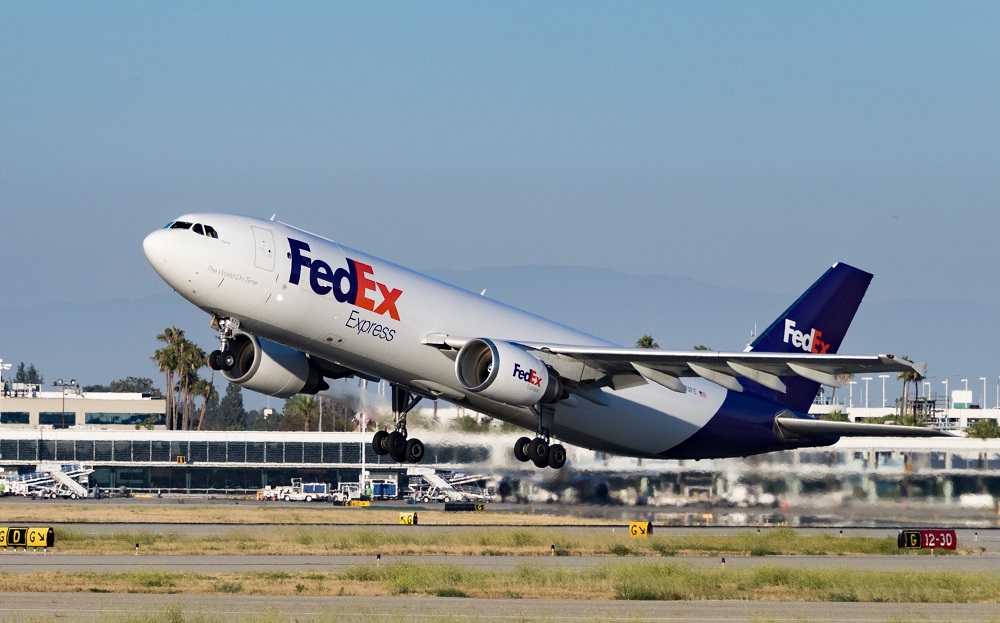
(538, 450)
(395, 443)
(223, 359)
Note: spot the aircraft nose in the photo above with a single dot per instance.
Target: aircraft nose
(156, 247)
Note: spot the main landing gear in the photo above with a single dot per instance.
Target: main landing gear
(538, 450)
(395, 444)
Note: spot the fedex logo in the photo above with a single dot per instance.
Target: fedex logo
(352, 284)
(811, 342)
(530, 376)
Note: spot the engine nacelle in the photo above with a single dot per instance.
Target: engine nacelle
(506, 373)
(271, 368)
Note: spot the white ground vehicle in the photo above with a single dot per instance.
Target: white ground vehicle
(297, 492)
(346, 492)
(453, 488)
(51, 480)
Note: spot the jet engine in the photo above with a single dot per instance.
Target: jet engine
(506, 373)
(271, 368)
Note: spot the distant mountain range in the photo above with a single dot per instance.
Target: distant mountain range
(97, 342)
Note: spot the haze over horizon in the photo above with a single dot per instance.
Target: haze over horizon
(736, 148)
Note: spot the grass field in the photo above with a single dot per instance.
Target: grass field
(668, 581)
(185, 512)
(661, 572)
(493, 541)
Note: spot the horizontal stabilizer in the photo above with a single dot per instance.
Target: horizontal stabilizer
(787, 427)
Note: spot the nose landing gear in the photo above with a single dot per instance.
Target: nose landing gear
(223, 359)
(395, 443)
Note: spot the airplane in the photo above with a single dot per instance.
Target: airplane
(293, 309)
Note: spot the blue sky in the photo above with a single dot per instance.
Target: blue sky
(739, 144)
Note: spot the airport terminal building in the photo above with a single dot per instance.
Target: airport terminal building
(127, 449)
(215, 462)
(26, 405)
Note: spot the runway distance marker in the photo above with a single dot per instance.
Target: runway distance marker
(640, 529)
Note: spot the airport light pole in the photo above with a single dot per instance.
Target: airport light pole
(3, 368)
(866, 379)
(884, 377)
(947, 397)
(850, 395)
(63, 385)
(966, 383)
(983, 379)
(927, 390)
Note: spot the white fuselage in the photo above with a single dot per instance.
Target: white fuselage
(295, 288)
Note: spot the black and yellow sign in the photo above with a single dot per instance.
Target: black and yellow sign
(407, 519)
(27, 537)
(464, 507)
(359, 503)
(640, 529)
(41, 537)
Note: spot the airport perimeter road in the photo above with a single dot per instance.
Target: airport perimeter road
(85, 607)
(22, 562)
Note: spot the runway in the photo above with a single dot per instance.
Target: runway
(88, 607)
(84, 607)
(28, 562)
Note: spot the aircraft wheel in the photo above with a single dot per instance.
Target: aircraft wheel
(538, 452)
(380, 443)
(215, 360)
(557, 456)
(227, 360)
(396, 444)
(414, 450)
(520, 447)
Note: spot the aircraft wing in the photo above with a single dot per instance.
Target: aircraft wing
(625, 367)
(725, 369)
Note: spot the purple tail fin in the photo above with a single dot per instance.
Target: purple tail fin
(817, 322)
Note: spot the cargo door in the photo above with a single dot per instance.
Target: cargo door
(263, 248)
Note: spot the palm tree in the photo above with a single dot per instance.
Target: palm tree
(300, 407)
(907, 377)
(207, 391)
(166, 359)
(646, 341)
(190, 359)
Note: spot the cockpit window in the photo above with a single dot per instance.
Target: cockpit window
(198, 228)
